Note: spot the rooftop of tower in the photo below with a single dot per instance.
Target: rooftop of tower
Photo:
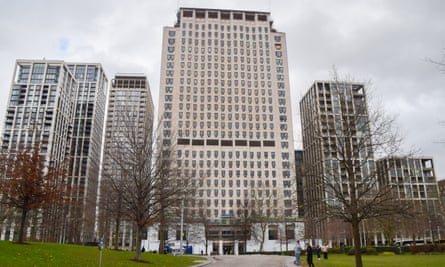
(223, 14)
(122, 75)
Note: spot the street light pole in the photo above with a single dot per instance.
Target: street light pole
(182, 226)
(101, 248)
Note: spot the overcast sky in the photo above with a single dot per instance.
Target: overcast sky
(382, 42)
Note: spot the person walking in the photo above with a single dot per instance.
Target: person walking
(297, 250)
(309, 256)
(318, 251)
(324, 249)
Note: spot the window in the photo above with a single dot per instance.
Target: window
(273, 232)
(187, 13)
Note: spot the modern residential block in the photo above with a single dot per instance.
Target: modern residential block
(413, 179)
(335, 129)
(59, 107)
(129, 121)
(86, 146)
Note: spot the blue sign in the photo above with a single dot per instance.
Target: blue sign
(101, 243)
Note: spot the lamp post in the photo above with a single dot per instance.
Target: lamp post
(181, 227)
(101, 248)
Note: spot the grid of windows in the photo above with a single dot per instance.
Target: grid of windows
(410, 178)
(55, 107)
(33, 99)
(214, 78)
(224, 92)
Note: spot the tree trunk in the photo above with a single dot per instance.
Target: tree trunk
(206, 233)
(263, 235)
(22, 225)
(116, 234)
(356, 237)
(161, 238)
(138, 242)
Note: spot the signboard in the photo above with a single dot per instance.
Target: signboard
(101, 244)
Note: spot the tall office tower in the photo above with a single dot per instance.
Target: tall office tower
(225, 105)
(129, 120)
(86, 146)
(40, 112)
(337, 150)
(413, 179)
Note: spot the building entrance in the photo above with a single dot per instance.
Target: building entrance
(228, 248)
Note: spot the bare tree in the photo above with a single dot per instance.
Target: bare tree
(441, 224)
(418, 224)
(245, 220)
(29, 185)
(349, 140)
(264, 211)
(202, 229)
(178, 208)
(112, 211)
(389, 225)
(146, 182)
(439, 63)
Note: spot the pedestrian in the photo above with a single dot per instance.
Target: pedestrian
(297, 250)
(318, 250)
(324, 249)
(309, 256)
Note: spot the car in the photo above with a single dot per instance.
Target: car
(177, 251)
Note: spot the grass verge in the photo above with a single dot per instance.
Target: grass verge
(405, 260)
(50, 254)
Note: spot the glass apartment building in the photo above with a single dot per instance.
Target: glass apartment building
(413, 179)
(335, 129)
(59, 106)
(85, 149)
(129, 119)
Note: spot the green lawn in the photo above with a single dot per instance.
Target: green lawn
(406, 260)
(51, 255)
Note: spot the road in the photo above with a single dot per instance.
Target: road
(251, 260)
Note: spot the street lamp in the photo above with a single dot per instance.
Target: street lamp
(182, 226)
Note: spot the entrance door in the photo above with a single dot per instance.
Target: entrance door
(228, 248)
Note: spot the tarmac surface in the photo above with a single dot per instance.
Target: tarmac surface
(248, 260)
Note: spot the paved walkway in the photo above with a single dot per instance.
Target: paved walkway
(248, 260)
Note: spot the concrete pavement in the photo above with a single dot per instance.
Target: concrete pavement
(220, 260)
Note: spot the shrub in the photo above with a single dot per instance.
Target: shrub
(336, 250)
(426, 249)
(395, 250)
(364, 251)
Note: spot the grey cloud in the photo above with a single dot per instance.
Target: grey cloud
(382, 41)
